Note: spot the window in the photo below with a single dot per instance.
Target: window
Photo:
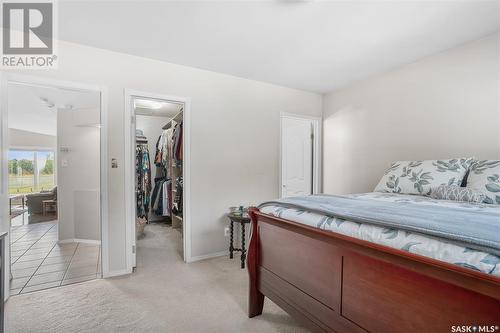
(31, 171)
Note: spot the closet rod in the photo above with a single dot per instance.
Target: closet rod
(174, 118)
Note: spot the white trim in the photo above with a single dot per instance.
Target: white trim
(49, 82)
(4, 176)
(120, 272)
(129, 170)
(80, 240)
(317, 150)
(76, 86)
(209, 256)
(129, 186)
(299, 116)
(34, 148)
(104, 183)
(317, 156)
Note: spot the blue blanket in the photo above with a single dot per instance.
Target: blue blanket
(475, 229)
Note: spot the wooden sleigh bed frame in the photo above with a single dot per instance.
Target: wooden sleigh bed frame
(334, 283)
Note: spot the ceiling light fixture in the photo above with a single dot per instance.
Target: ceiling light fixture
(47, 103)
(154, 105)
(147, 104)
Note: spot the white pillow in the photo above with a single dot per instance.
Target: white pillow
(418, 177)
(485, 177)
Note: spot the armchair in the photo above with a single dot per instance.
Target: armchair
(34, 200)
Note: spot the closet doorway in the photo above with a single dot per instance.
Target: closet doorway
(156, 184)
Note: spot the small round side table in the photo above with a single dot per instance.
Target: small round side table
(242, 219)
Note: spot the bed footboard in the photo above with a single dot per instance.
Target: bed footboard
(334, 283)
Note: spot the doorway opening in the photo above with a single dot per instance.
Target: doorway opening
(300, 155)
(53, 184)
(158, 166)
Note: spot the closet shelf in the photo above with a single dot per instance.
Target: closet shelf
(177, 118)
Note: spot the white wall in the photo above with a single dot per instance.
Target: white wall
(78, 175)
(26, 139)
(234, 126)
(446, 105)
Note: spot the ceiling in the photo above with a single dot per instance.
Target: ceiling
(310, 45)
(156, 108)
(34, 108)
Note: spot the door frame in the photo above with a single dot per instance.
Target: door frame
(5, 79)
(129, 123)
(317, 152)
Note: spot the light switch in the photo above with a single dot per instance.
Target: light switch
(114, 163)
(64, 163)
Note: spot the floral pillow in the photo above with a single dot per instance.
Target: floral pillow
(485, 177)
(419, 177)
(457, 193)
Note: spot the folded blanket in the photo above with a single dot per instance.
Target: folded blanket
(478, 229)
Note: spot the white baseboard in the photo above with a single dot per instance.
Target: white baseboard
(79, 240)
(209, 256)
(116, 273)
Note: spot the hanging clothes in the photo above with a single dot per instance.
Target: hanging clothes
(161, 199)
(143, 179)
(167, 200)
(158, 154)
(177, 203)
(166, 134)
(177, 143)
(156, 196)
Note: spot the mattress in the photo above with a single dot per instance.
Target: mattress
(414, 242)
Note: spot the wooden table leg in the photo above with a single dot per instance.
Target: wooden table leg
(243, 251)
(231, 247)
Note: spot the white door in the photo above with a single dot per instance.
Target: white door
(133, 193)
(4, 195)
(296, 156)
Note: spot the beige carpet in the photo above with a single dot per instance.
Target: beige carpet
(164, 295)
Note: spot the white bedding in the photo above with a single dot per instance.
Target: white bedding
(432, 247)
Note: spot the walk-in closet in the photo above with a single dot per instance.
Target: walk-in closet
(158, 175)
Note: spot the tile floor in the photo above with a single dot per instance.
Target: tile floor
(39, 262)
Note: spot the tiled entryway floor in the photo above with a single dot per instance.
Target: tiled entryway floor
(39, 262)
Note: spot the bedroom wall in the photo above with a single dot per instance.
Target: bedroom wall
(24, 139)
(234, 126)
(446, 105)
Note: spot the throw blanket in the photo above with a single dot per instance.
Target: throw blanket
(474, 229)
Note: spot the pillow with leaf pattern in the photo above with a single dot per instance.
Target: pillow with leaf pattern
(457, 193)
(484, 176)
(419, 177)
